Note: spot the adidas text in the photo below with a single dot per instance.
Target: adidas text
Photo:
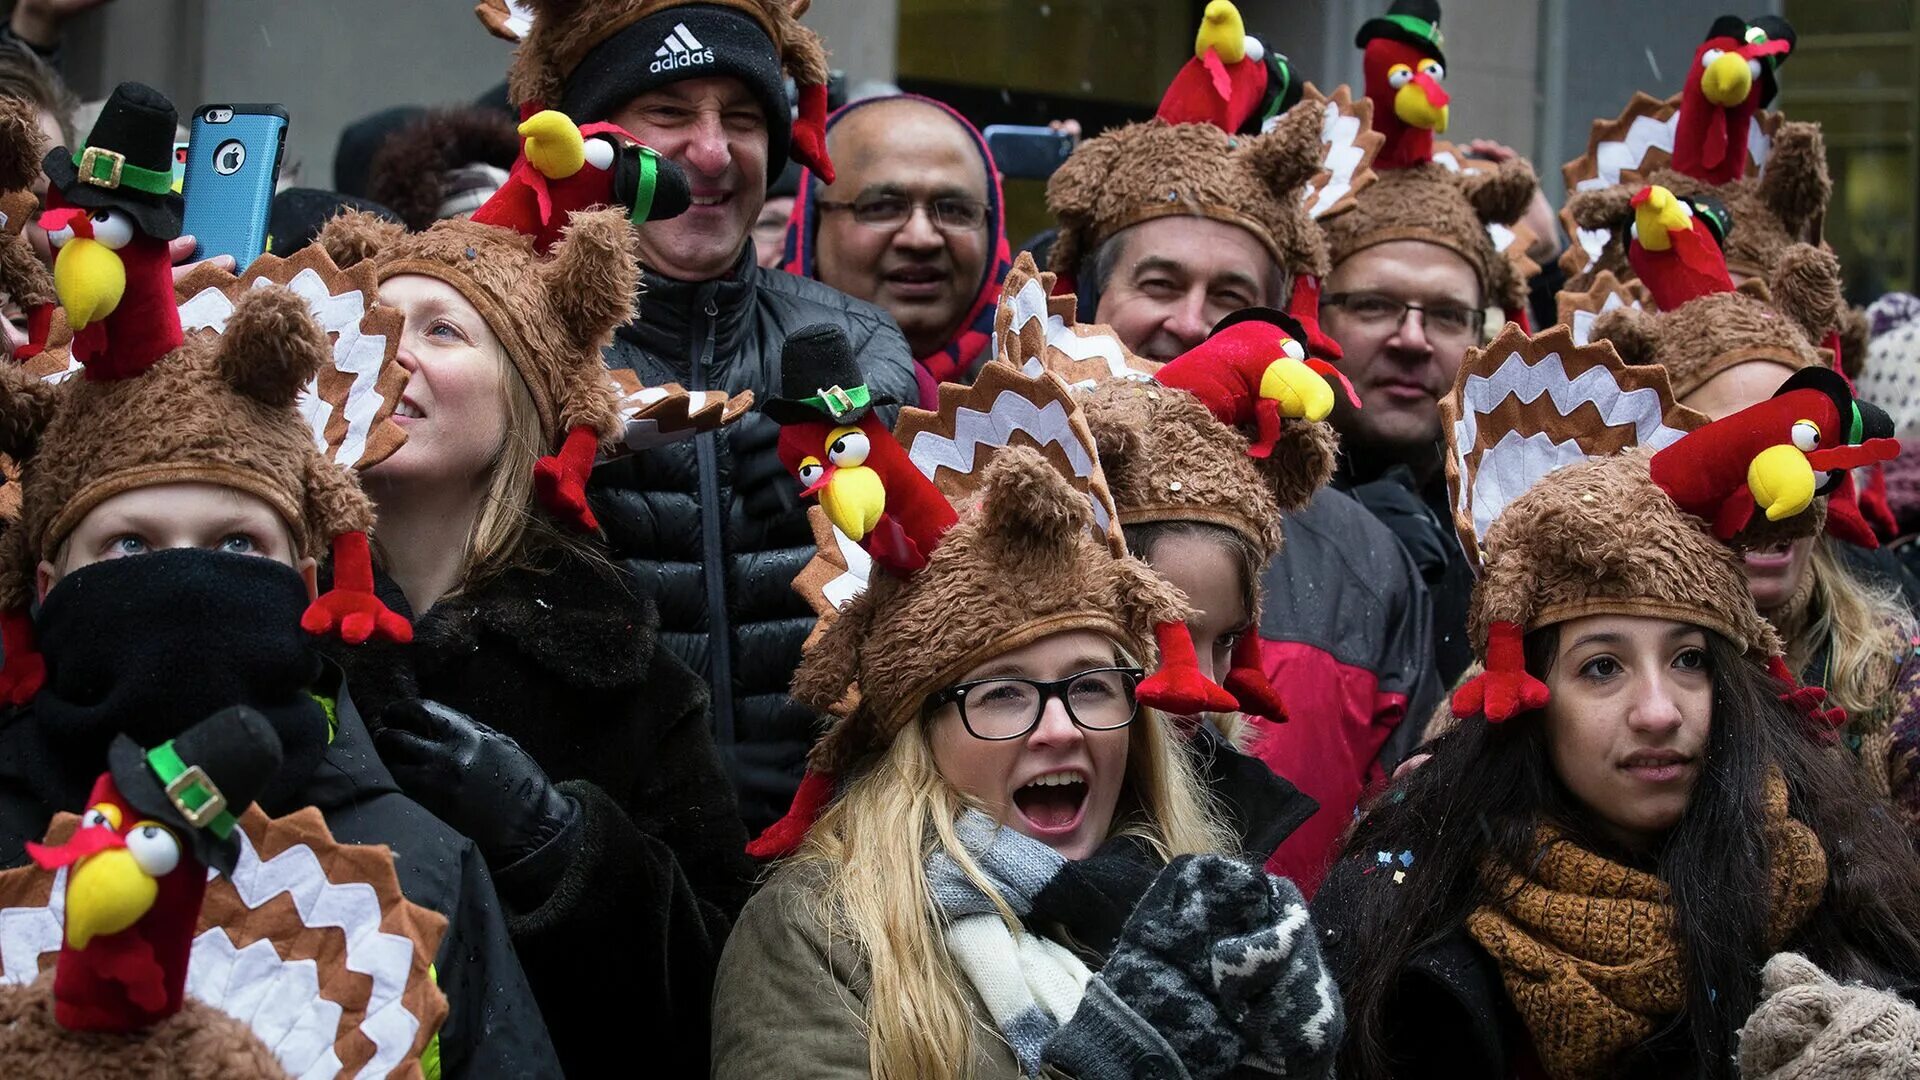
(680, 60)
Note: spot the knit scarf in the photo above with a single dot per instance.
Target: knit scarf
(1586, 949)
(1030, 985)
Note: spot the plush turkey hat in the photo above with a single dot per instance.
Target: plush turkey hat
(1781, 201)
(1451, 207)
(1024, 562)
(1261, 183)
(220, 409)
(1780, 321)
(553, 314)
(1599, 537)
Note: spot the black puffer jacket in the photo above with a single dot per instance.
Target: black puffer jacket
(712, 528)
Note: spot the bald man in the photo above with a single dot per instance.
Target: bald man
(913, 224)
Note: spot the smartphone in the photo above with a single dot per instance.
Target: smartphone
(1027, 153)
(233, 166)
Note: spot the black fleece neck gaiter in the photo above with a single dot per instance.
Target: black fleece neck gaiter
(149, 645)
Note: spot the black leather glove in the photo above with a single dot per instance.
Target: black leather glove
(474, 779)
(1092, 897)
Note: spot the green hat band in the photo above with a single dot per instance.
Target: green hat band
(109, 169)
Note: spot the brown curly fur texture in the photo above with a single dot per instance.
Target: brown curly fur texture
(1855, 332)
(564, 31)
(1785, 205)
(553, 315)
(27, 405)
(197, 1043)
(182, 420)
(23, 277)
(1433, 203)
(408, 174)
(1167, 459)
(1710, 334)
(21, 144)
(1021, 564)
(1156, 169)
(1599, 537)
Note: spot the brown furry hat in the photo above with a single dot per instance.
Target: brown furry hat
(1453, 207)
(24, 279)
(552, 315)
(1549, 452)
(1025, 561)
(411, 169)
(1781, 201)
(221, 409)
(197, 1043)
(1600, 537)
(1309, 164)
(1781, 321)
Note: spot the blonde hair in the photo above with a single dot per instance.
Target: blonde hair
(870, 847)
(1868, 629)
(510, 531)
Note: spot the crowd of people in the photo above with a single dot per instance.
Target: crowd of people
(643, 575)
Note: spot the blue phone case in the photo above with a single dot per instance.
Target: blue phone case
(228, 206)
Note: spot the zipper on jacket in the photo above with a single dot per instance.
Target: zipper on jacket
(713, 519)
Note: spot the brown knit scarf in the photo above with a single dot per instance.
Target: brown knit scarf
(1586, 949)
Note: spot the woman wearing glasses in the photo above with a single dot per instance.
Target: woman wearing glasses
(913, 223)
(1018, 869)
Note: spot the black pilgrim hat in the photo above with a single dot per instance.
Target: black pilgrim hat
(126, 163)
(200, 782)
(821, 380)
(1416, 22)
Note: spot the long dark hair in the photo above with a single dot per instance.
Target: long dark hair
(1488, 787)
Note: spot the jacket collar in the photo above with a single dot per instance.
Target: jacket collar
(670, 310)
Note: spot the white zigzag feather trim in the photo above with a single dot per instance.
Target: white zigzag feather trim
(1049, 426)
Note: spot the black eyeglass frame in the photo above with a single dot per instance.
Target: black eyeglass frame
(957, 695)
(913, 204)
(1476, 321)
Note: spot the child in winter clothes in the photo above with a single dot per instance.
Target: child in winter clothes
(1638, 806)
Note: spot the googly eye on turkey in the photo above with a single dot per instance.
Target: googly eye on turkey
(1806, 436)
(1399, 75)
(811, 472)
(1294, 349)
(1432, 70)
(112, 228)
(849, 449)
(100, 817)
(154, 847)
(601, 152)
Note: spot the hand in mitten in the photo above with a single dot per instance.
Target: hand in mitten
(474, 779)
(1092, 897)
(1217, 968)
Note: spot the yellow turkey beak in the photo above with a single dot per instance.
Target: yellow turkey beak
(1727, 80)
(1415, 107)
(1301, 391)
(106, 893)
(90, 279)
(1781, 480)
(554, 144)
(854, 499)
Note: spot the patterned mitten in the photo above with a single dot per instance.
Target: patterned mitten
(1217, 968)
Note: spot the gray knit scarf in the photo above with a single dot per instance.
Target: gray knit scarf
(1030, 985)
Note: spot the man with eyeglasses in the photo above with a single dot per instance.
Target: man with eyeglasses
(712, 528)
(1415, 271)
(912, 222)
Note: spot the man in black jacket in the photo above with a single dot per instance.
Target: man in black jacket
(713, 528)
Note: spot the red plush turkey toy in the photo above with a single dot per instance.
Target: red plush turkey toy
(1404, 67)
(1675, 250)
(110, 212)
(862, 476)
(564, 167)
(1777, 456)
(1254, 371)
(136, 868)
(1732, 77)
(1232, 82)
